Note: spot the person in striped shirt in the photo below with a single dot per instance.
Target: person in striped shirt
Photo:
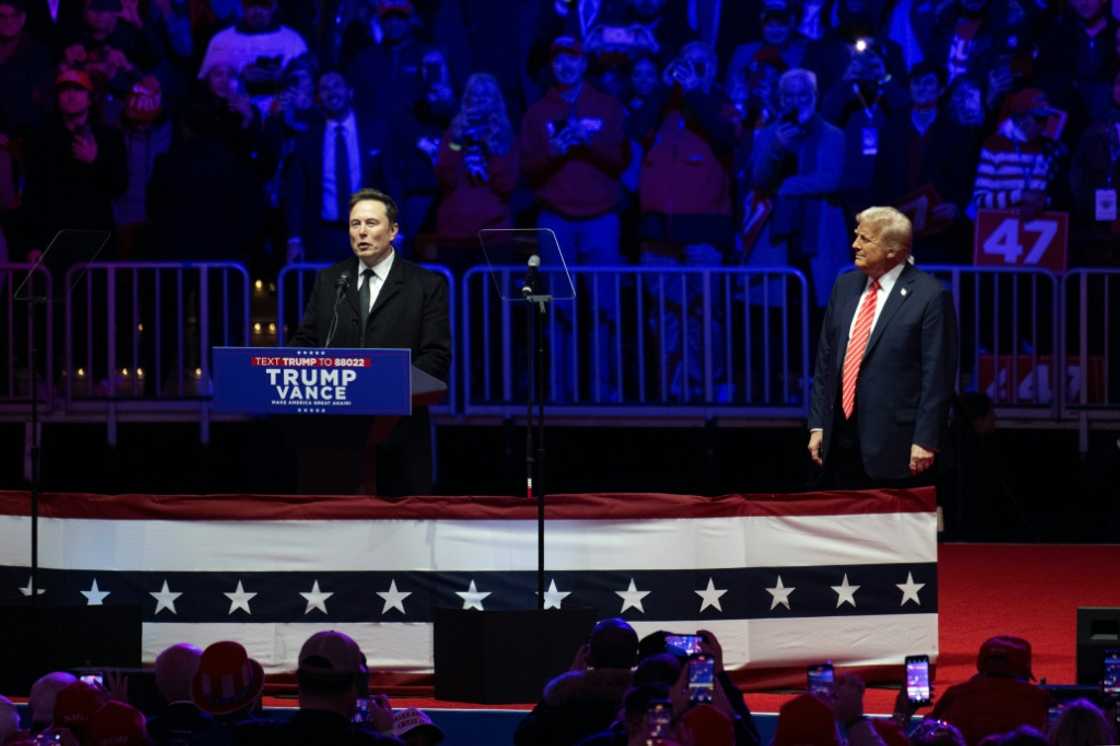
(1018, 163)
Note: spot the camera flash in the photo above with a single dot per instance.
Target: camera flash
(861, 45)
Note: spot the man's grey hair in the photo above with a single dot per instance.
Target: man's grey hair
(799, 74)
(43, 694)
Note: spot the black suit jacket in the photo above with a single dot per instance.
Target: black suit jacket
(411, 312)
(304, 174)
(907, 376)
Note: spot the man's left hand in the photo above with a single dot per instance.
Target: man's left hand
(920, 459)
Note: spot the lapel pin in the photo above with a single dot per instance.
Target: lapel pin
(903, 292)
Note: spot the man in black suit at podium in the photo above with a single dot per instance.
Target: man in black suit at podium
(385, 301)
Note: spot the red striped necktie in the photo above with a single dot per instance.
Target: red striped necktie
(857, 345)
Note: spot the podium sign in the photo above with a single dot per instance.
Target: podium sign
(336, 380)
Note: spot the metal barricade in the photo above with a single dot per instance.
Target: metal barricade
(293, 288)
(138, 333)
(1008, 321)
(28, 324)
(680, 342)
(1091, 346)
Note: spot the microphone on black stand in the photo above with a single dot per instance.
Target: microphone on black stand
(340, 290)
(529, 287)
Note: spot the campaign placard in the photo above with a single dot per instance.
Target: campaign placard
(332, 381)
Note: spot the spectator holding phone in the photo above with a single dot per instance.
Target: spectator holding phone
(999, 697)
(586, 699)
(333, 678)
(797, 163)
(477, 164)
(257, 48)
(75, 168)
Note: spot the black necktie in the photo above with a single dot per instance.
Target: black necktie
(363, 294)
(342, 173)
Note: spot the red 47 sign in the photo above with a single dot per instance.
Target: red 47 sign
(1004, 239)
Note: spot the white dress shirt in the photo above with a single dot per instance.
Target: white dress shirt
(330, 186)
(380, 273)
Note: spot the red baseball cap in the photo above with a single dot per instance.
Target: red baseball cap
(76, 705)
(118, 724)
(70, 76)
(1004, 655)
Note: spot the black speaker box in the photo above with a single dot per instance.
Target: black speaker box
(504, 657)
(1098, 630)
(62, 638)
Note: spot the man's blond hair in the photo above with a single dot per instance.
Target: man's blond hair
(892, 227)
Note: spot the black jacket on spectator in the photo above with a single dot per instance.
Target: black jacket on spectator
(183, 724)
(62, 192)
(575, 705)
(1068, 55)
(58, 32)
(303, 179)
(26, 80)
(387, 79)
(308, 728)
(944, 159)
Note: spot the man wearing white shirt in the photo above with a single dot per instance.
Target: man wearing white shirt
(335, 158)
(886, 363)
(382, 300)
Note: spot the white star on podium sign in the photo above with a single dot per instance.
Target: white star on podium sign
(95, 596)
(910, 590)
(165, 599)
(780, 594)
(710, 596)
(472, 597)
(316, 599)
(393, 598)
(845, 593)
(632, 598)
(553, 597)
(26, 590)
(239, 599)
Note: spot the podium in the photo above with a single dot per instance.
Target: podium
(338, 406)
(335, 381)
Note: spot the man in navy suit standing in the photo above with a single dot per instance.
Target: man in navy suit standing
(336, 157)
(886, 363)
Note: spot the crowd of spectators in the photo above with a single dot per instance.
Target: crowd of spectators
(646, 131)
(619, 691)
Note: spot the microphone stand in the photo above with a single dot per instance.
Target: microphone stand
(340, 290)
(534, 448)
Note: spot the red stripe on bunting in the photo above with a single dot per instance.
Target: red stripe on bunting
(614, 506)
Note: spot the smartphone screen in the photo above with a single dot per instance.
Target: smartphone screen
(687, 644)
(1111, 681)
(94, 679)
(821, 679)
(361, 710)
(917, 679)
(701, 679)
(1053, 715)
(659, 717)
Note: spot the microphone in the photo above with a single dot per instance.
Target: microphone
(530, 285)
(341, 283)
